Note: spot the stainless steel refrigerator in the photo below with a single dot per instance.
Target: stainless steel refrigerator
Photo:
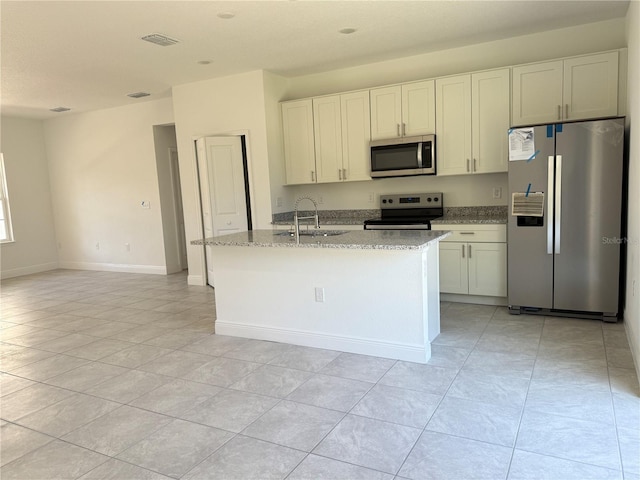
(566, 191)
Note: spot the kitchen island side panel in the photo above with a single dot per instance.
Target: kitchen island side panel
(376, 302)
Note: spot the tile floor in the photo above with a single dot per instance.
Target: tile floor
(119, 376)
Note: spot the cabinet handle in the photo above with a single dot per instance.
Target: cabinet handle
(398, 128)
(313, 176)
(467, 233)
(559, 112)
(404, 129)
(467, 164)
(339, 174)
(462, 251)
(469, 246)
(566, 111)
(475, 165)
(344, 173)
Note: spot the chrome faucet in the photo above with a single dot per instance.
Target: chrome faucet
(296, 218)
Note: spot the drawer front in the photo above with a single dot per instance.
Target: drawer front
(474, 233)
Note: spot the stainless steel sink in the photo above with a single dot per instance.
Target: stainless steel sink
(312, 233)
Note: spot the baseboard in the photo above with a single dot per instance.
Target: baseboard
(633, 344)
(477, 299)
(115, 267)
(396, 351)
(31, 269)
(196, 280)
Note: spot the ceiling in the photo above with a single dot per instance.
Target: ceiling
(87, 55)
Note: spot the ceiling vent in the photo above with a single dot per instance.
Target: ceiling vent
(59, 109)
(159, 39)
(138, 94)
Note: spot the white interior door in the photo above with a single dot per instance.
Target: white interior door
(222, 186)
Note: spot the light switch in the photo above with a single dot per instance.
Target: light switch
(145, 204)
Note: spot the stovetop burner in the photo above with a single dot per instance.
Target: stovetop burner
(407, 211)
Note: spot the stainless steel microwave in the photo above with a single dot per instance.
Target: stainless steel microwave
(400, 157)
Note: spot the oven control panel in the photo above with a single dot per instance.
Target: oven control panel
(413, 200)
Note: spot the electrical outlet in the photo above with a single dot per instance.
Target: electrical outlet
(127, 247)
(371, 197)
(320, 200)
(497, 192)
(97, 245)
(145, 204)
(319, 294)
(278, 201)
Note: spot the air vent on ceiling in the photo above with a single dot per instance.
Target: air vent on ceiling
(59, 109)
(138, 94)
(159, 39)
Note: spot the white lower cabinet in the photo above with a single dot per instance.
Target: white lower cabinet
(473, 260)
(487, 269)
(454, 268)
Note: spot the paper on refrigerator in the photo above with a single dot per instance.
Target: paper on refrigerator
(527, 204)
(522, 145)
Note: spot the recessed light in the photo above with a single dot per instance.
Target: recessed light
(347, 31)
(204, 62)
(226, 15)
(159, 39)
(59, 109)
(138, 94)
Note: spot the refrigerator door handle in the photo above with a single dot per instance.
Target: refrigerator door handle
(558, 198)
(550, 206)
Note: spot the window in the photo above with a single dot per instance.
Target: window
(6, 235)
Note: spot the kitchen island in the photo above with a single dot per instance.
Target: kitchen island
(374, 292)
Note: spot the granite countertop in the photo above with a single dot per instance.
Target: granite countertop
(355, 239)
(452, 215)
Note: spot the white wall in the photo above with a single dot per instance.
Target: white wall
(274, 89)
(459, 190)
(563, 42)
(34, 249)
(221, 106)
(632, 310)
(102, 166)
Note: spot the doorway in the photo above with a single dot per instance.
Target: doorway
(223, 178)
(177, 207)
(168, 170)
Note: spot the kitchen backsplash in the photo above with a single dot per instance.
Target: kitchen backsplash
(355, 217)
(459, 191)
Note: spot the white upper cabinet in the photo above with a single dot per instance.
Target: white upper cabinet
(472, 119)
(453, 125)
(576, 88)
(418, 108)
(341, 134)
(356, 135)
(490, 121)
(591, 86)
(386, 112)
(328, 138)
(402, 110)
(299, 155)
